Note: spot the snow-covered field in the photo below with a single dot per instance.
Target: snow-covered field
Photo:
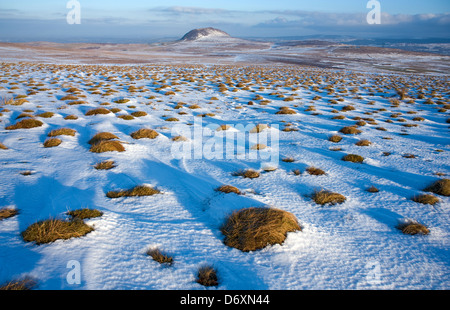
(352, 245)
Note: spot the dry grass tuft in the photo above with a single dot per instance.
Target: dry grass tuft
(258, 128)
(315, 171)
(249, 173)
(2, 146)
(426, 199)
(7, 213)
(286, 110)
(105, 165)
(54, 229)
(440, 187)
(102, 136)
(207, 276)
(52, 142)
(97, 111)
(107, 146)
(413, 228)
(71, 117)
(23, 284)
(350, 130)
(179, 139)
(62, 132)
(325, 197)
(144, 133)
(46, 115)
(259, 146)
(82, 214)
(25, 124)
(160, 257)
(223, 127)
(353, 158)
(228, 189)
(137, 191)
(335, 138)
(363, 143)
(255, 228)
(373, 189)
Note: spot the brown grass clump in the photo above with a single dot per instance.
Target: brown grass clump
(46, 114)
(139, 114)
(286, 110)
(363, 143)
(335, 138)
(23, 284)
(172, 119)
(207, 276)
(373, 189)
(426, 199)
(105, 165)
(25, 124)
(126, 117)
(353, 158)
(71, 117)
(258, 128)
(325, 197)
(259, 146)
(140, 190)
(107, 146)
(179, 139)
(2, 146)
(440, 187)
(97, 111)
(255, 228)
(62, 132)
(223, 127)
(160, 257)
(7, 212)
(315, 171)
(144, 133)
(52, 142)
(82, 214)
(102, 136)
(249, 173)
(350, 130)
(51, 230)
(413, 228)
(228, 189)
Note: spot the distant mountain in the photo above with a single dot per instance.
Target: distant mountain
(204, 33)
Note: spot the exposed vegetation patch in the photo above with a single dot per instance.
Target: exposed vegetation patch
(160, 257)
(86, 213)
(7, 213)
(440, 187)
(326, 197)
(207, 276)
(25, 124)
(144, 133)
(133, 192)
(255, 228)
(54, 229)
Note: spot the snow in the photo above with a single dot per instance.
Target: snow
(354, 245)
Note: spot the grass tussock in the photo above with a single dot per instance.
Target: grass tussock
(363, 143)
(258, 128)
(25, 124)
(353, 158)
(86, 213)
(46, 115)
(107, 146)
(105, 165)
(3, 147)
(413, 228)
(207, 276)
(350, 130)
(228, 189)
(137, 191)
(255, 228)
(315, 171)
(440, 187)
(144, 133)
(426, 199)
(97, 111)
(286, 110)
(102, 136)
(160, 257)
(248, 173)
(54, 229)
(23, 284)
(325, 197)
(7, 213)
(52, 142)
(335, 138)
(62, 132)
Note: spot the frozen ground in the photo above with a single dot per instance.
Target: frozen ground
(354, 245)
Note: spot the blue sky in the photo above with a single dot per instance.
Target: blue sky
(137, 19)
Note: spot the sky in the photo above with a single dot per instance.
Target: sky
(139, 20)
